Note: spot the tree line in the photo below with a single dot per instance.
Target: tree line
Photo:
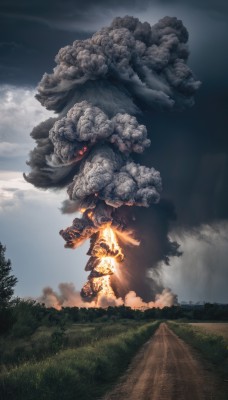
(22, 317)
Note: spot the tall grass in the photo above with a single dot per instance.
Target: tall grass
(47, 341)
(211, 346)
(75, 374)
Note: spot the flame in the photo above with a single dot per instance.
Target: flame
(106, 266)
(90, 214)
(104, 287)
(107, 245)
(106, 254)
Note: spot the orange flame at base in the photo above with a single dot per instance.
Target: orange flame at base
(106, 255)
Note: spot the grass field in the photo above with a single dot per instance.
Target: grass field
(217, 328)
(46, 341)
(81, 371)
(212, 346)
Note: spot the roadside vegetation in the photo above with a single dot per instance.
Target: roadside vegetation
(49, 339)
(212, 346)
(77, 353)
(84, 372)
(66, 354)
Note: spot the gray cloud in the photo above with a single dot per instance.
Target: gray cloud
(201, 273)
(42, 174)
(149, 61)
(56, 14)
(26, 111)
(85, 125)
(8, 149)
(106, 176)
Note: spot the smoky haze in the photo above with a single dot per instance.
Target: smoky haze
(105, 90)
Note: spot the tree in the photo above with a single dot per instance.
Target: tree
(7, 281)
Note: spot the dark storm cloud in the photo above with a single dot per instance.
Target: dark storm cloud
(151, 227)
(219, 7)
(26, 26)
(32, 32)
(57, 11)
(24, 63)
(194, 160)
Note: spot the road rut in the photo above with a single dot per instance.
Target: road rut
(166, 368)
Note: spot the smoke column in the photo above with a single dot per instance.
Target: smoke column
(101, 89)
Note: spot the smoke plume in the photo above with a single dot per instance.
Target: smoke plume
(67, 296)
(95, 147)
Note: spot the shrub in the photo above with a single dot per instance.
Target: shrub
(82, 373)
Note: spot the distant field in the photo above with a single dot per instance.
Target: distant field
(217, 328)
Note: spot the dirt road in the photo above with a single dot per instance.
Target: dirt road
(166, 368)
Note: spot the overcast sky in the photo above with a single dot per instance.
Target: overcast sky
(193, 144)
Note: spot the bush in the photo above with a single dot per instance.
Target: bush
(6, 320)
(83, 373)
(26, 321)
(58, 340)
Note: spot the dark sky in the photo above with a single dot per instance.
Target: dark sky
(190, 149)
(33, 32)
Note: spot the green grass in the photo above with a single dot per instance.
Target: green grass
(213, 347)
(43, 343)
(83, 373)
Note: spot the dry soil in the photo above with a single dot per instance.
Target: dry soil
(166, 368)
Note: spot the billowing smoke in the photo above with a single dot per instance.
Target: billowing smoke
(67, 296)
(95, 144)
(147, 63)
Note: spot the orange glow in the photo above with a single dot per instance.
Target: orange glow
(90, 214)
(126, 237)
(108, 254)
(107, 245)
(106, 266)
(106, 289)
(83, 150)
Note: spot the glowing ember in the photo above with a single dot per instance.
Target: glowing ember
(83, 150)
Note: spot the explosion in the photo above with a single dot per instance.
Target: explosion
(105, 253)
(95, 144)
